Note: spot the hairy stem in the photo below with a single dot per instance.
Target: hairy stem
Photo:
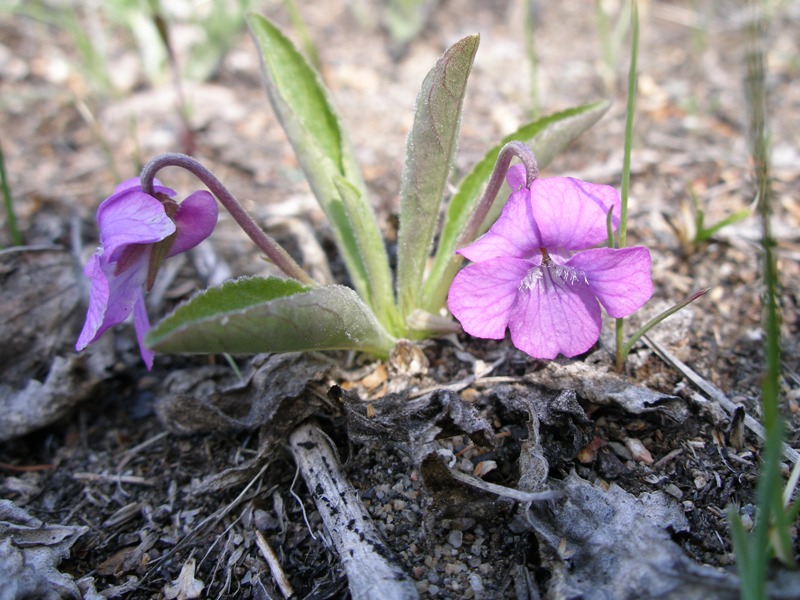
(274, 251)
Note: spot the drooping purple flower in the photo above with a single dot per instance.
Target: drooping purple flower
(536, 273)
(137, 232)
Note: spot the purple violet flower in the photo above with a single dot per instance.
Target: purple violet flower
(535, 271)
(137, 232)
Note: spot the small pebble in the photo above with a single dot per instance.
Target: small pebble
(638, 451)
(456, 538)
(484, 467)
(451, 569)
(620, 450)
(476, 583)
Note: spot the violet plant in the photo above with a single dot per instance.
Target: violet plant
(272, 314)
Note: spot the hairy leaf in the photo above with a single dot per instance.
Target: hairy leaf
(252, 315)
(372, 251)
(303, 108)
(429, 154)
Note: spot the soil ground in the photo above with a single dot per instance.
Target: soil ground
(121, 467)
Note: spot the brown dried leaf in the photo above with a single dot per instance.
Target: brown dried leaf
(412, 424)
(30, 552)
(41, 376)
(600, 386)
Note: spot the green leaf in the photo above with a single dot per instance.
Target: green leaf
(373, 251)
(429, 154)
(252, 315)
(548, 137)
(303, 108)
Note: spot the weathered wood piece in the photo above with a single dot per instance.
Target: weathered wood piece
(367, 560)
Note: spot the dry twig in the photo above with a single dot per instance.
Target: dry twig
(274, 566)
(716, 395)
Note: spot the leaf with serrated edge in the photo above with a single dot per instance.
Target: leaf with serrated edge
(306, 113)
(429, 154)
(253, 315)
(548, 137)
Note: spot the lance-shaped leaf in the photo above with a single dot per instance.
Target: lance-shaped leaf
(373, 252)
(306, 113)
(252, 315)
(548, 137)
(429, 154)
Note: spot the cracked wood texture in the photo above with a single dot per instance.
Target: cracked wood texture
(367, 560)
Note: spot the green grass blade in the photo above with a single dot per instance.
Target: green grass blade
(658, 318)
(704, 234)
(772, 522)
(741, 547)
(11, 216)
(630, 110)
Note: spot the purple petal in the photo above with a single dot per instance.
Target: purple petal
(98, 301)
(134, 183)
(620, 278)
(195, 220)
(554, 313)
(142, 325)
(112, 297)
(513, 234)
(482, 294)
(571, 214)
(131, 217)
(517, 178)
(124, 289)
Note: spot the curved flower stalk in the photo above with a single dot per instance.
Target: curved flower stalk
(536, 274)
(137, 232)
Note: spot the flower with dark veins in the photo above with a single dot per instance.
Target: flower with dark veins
(536, 273)
(137, 232)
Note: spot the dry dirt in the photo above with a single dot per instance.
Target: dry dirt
(141, 470)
